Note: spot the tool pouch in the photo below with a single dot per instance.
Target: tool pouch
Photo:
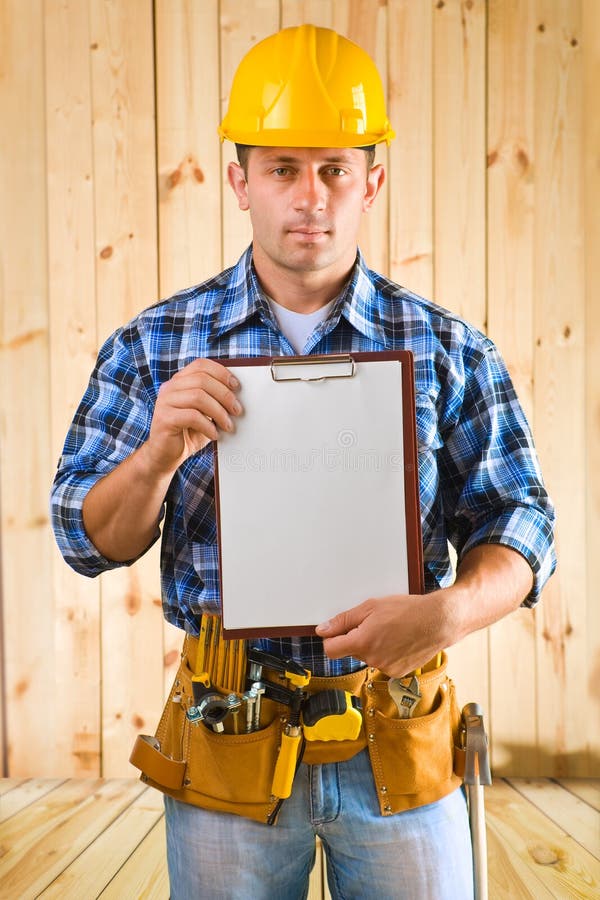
(225, 772)
(412, 759)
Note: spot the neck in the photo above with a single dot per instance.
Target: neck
(300, 291)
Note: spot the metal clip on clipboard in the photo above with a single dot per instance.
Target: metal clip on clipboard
(313, 368)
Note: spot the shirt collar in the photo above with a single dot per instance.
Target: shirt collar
(244, 298)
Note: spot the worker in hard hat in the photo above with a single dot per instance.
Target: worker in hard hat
(306, 111)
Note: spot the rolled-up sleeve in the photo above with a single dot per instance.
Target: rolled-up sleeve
(112, 420)
(495, 493)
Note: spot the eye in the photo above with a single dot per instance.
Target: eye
(281, 171)
(336, 171)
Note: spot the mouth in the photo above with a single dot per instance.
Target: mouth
(308, 233)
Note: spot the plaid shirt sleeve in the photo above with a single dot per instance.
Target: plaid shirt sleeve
(112, 420)
(493, 489)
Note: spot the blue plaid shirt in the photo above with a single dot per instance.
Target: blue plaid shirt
(479, 476)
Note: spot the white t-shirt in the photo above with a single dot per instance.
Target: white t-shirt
(298, 327)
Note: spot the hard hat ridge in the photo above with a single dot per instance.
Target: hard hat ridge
(306, 87)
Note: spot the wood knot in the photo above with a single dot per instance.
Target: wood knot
(545, 856)
(541, 28)
(137, 721)
(198, 174)
(106, 252)
(567, 332)
(173, 179)
(492, 158)
(440, 4)
(21, 687)
(574, 42)
(133, 603)
(522, 159)
(171, 657)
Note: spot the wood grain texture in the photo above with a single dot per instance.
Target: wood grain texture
(71, 285)
(26, 465)
(240, 28)
(559, 373)
(120, 848)
(539, 857)
(459, 40)
(590, 31)
(113, 192)
(410, 86)
(126, 283)
(188, 156)
(510, 313)
(102, 859)
(43, 839)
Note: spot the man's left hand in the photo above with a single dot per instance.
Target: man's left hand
(396, 634)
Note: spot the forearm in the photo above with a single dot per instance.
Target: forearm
(491, 582)
(122, 510)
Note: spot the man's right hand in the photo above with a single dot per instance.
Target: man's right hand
(121, 510)
(190, 410)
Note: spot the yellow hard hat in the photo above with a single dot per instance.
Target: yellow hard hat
(306, 87)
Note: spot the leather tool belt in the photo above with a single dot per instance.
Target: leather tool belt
(412, 759)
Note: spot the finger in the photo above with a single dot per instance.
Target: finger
(344, 621)
(180, 420)
(202, 402)
(343, 645)
(213, 368)
(202, 381)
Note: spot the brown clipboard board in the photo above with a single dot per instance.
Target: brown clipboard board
(412, 518)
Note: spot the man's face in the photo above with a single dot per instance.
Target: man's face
(305, 205)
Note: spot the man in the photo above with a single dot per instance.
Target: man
(306, 108)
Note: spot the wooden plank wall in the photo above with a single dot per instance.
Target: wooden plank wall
(113, 193)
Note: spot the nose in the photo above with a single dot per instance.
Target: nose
(309, 191)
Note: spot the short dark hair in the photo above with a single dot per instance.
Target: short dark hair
(243, 151)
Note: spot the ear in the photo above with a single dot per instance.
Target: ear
(237, 180)
(375, 179)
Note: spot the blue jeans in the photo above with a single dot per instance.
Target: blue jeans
(422, 854)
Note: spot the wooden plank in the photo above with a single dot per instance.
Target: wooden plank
(366, 24)
(25, 793)
(586, 789)
(459, 223)
(98, 864)
(26, 466)
(411, 153)
(9, 784)
(573, 815)
(188, 107)
(509, 876)
(126, 243)
(459, 32)
(510, 188)
(144, 875)
(242, 26)
(71, 286)
(543, 851)
(590, 32)
(565, 695)
(189, 170)
(48, 835)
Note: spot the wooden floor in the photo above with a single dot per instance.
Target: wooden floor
(85, 839)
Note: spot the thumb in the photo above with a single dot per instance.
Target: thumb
(343, 622)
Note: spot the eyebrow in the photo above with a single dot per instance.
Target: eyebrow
(294, 159)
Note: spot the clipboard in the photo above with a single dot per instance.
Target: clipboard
(316, 491)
